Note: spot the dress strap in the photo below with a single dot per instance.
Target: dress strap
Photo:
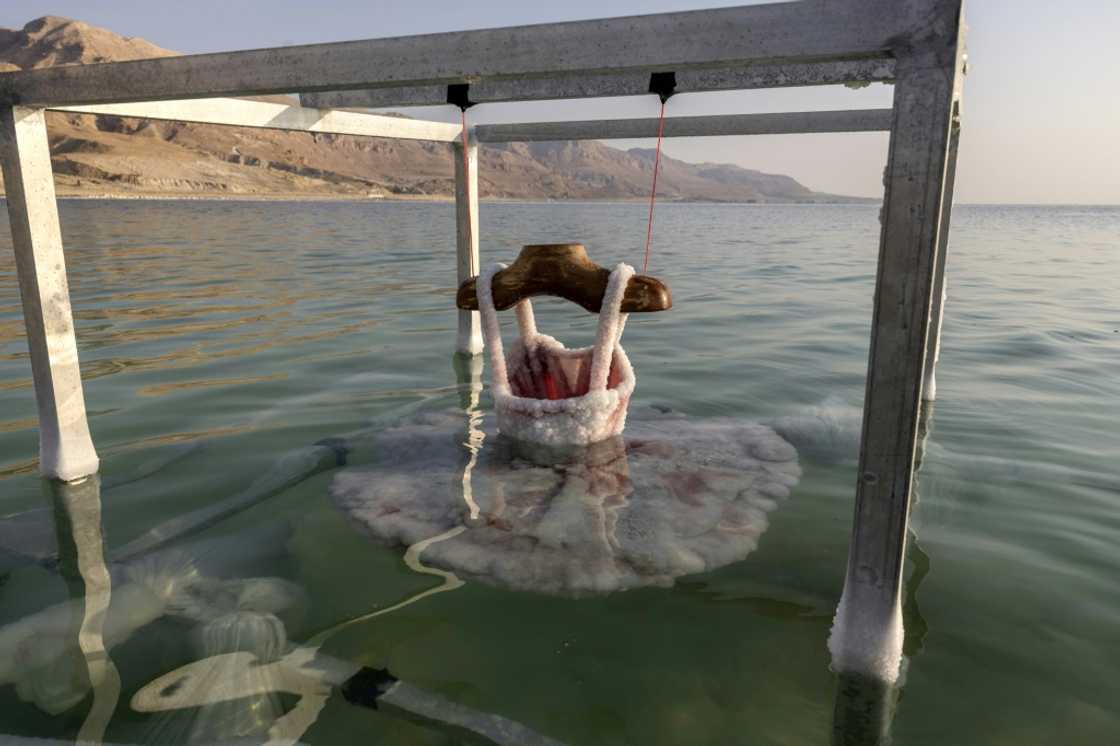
(611, 323)
(491, 331)
(526, 321)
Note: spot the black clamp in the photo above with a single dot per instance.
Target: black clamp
(458, 94)
(663, 84)
(366, 686)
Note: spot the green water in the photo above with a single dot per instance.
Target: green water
(217, 337)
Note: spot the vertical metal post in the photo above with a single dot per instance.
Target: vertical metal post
(867, 632)
(65, 448)
(937, 309)
(469, 339)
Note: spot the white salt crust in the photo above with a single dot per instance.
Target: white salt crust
(866, 641)
(598, 414)
(675, 497)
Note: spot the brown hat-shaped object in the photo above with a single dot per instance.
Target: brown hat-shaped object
(564, 270)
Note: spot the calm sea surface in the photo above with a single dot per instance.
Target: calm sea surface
(220, 340)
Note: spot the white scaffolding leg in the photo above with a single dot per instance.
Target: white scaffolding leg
(65, 449)
(867, 633)
(469, 339)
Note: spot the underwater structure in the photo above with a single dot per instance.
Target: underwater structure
(916, 44)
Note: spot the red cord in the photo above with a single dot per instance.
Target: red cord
(653, 191)
(467, 194)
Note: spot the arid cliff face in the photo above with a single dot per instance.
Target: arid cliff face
(101, 155)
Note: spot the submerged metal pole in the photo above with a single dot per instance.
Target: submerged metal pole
(469, 339)
(867, 633)
(65, 448)
(82, 563)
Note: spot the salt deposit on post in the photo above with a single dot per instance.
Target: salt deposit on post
(671, 498)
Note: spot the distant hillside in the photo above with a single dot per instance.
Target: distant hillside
(110, 155)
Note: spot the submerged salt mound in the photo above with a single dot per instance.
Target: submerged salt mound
(675, 497)
(828, 431)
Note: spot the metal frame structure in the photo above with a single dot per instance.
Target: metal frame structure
(917, 44)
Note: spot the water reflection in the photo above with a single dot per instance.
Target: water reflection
(58, 656)
(864, 711)
(234, 688)
(468, 374)
(241, 670)
(82, 564)
(237, 693)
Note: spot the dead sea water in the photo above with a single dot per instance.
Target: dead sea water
(220, 340)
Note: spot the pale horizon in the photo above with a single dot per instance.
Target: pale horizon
(1039, 121)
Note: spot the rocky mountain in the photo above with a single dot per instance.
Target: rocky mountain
(102, 155)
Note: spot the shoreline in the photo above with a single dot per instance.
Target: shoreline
(446, 199)
(442, 199)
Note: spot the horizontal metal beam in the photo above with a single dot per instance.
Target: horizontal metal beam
(241, 112)
(811, 30)
(800, 122)
(775, 75)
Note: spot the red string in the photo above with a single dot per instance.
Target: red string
(653, 191)
(467, 195)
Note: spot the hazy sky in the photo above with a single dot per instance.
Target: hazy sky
(1041, 109)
